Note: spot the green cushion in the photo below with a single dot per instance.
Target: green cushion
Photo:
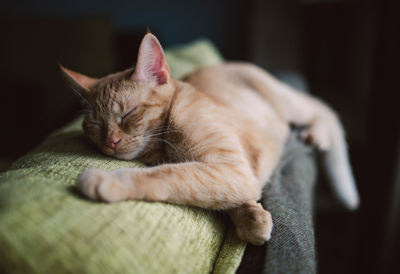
(46, 226)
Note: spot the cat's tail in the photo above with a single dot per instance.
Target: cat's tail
(340, 175)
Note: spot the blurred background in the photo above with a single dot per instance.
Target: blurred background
(344, 51)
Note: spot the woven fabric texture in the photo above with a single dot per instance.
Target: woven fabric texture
(47, 227)
(289, 198)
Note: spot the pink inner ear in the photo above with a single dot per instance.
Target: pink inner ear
(151, 61)
(161, 70)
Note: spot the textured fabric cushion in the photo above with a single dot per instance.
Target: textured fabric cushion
(289, 198)
(47, 227)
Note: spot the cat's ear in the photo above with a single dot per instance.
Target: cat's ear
(79, 82)
(151, 63)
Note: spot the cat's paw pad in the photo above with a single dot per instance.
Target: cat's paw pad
(258, 226)
(101, 185)
(317, 136)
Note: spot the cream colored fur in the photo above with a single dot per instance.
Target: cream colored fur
(212, 141)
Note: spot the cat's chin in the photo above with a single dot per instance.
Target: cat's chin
(126, 155)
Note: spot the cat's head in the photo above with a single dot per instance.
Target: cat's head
(126, 110)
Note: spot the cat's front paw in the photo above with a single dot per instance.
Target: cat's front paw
(257, 226)
(102, 185)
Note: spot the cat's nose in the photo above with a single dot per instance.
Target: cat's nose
(112, 143)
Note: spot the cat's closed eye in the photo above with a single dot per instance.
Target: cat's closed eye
(127, 114)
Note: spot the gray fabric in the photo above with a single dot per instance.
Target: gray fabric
(289, 198)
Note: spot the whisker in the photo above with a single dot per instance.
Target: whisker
(168, 143)
(79, 94)
(164, 130)
(156, 134)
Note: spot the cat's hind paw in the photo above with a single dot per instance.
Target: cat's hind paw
(101, 185)
(257, 226)
(316, 135)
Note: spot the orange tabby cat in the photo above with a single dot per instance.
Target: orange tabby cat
(212, 141)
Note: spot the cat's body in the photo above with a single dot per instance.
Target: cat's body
(213, 140)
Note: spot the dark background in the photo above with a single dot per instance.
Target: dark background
(347, 51)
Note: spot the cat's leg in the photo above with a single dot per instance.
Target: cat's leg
(252, 222)
(324, 129)
(206, 185)
(295, 107)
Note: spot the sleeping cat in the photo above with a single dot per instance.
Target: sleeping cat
(212, 140)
